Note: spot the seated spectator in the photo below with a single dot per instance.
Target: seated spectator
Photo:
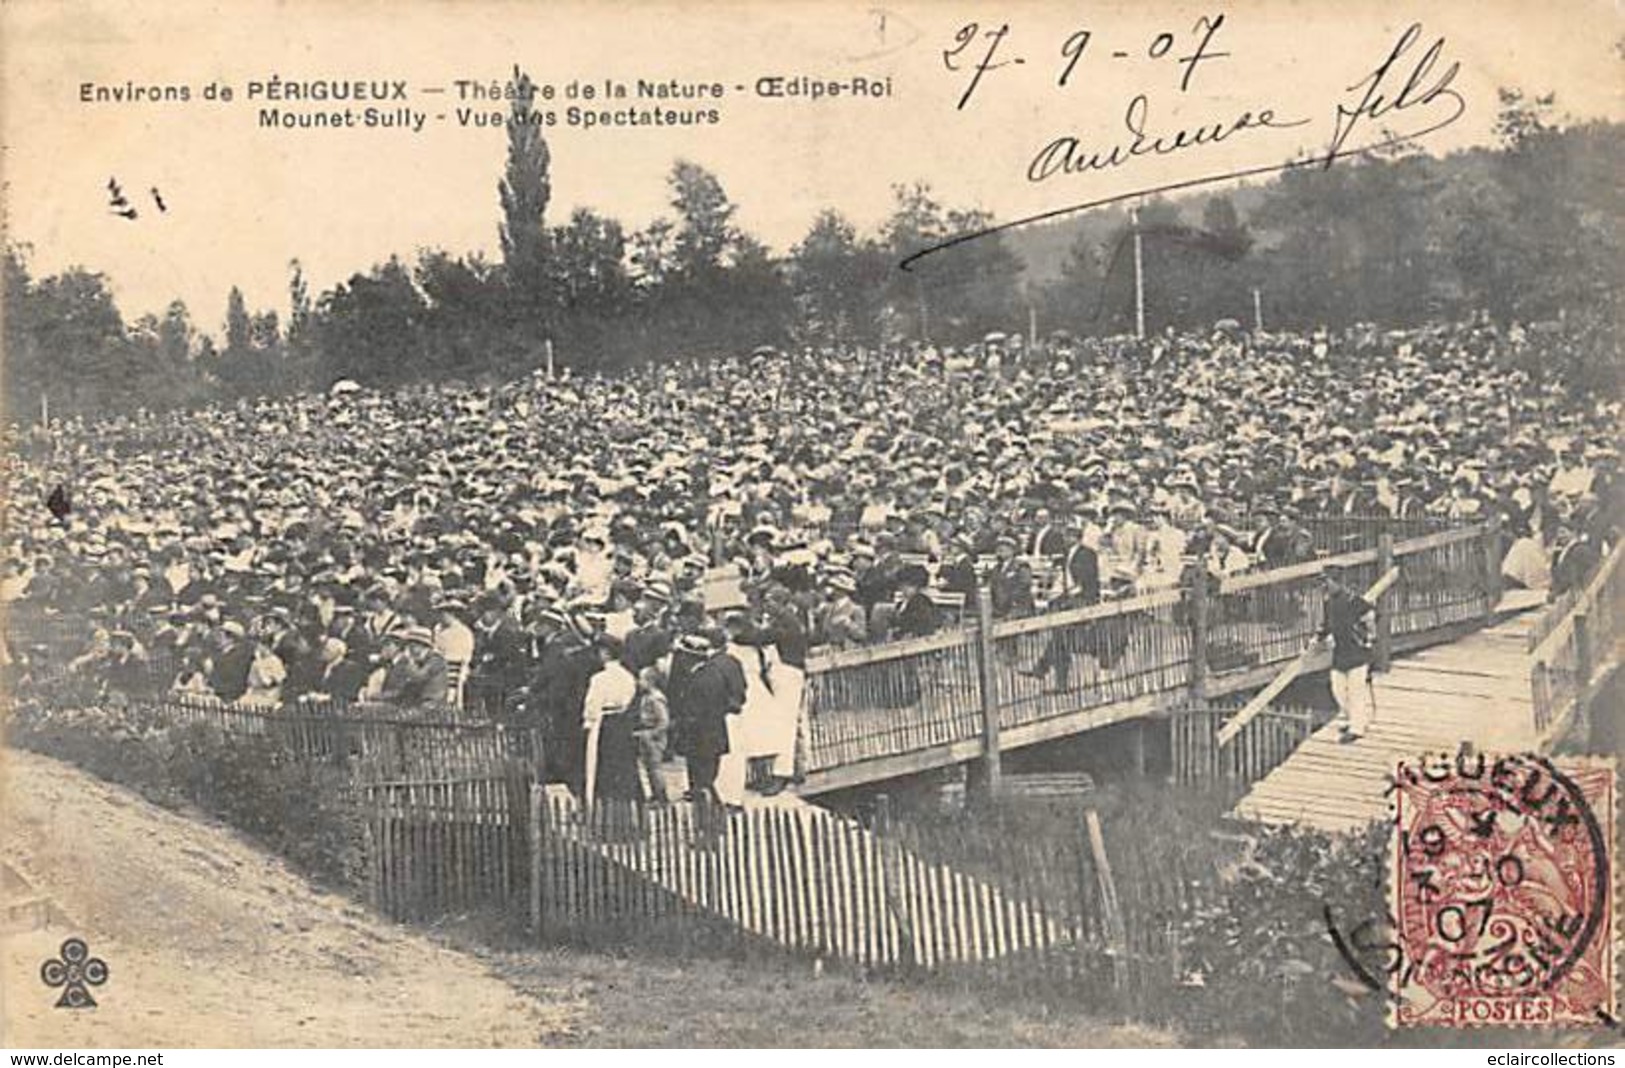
(415, 675)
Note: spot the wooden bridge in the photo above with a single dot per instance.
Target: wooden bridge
(1513, 687)
(889, 711)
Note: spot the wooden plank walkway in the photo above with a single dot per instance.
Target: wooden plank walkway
(1474, 691)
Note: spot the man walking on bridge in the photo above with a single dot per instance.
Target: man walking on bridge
(1345, 624)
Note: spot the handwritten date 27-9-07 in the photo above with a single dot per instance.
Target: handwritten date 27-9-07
(1404, 79)
(1411, 88)
(968, 46)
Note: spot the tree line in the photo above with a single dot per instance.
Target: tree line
(1525, 230)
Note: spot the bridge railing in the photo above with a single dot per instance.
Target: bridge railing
(1446, 579)
(1088, 657)
(1267, 618)
(954, 694)
(1579, 648)
(951, 694)
(1338, 535)
(887, 699)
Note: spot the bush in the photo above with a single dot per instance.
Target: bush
(302, 811)
(1248, 954)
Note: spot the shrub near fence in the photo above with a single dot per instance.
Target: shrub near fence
(377, 746)
(312, 785)
(304, 810)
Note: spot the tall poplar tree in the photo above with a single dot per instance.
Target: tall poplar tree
(524, 190)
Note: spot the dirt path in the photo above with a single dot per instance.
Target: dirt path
(210, 942)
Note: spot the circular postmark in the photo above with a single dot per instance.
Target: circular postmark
(1500, 893)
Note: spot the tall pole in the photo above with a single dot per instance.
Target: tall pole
(1032, 326)
(45, 409)
(925, 319)
(547, 344)
(1139, 275)
(1258, 312)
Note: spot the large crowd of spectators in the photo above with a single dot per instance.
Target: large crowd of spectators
(568, 549)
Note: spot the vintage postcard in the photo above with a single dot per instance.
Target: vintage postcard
(746, 524)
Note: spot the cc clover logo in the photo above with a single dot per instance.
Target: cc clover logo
(75, 972)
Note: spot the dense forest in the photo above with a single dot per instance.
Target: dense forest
(1525, 230)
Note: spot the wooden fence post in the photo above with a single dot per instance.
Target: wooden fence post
(373, 849)
(535, 867)
(1197, 598)
(1383, 639)
(891, 872)
(1116, 930)
(989, 681)
(516, 788)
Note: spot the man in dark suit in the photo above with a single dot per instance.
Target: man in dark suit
(1345, 623)
(714, 690)
(1081, 573)
(1012, 583)
(959, 573)
(1574, 558)
(650, 637)
(874, 587)
(784, 625)
(229, 677)
(416, 677)
(344, 672)
(1048, 538)
(558, 691)
(501, 655)
(917, 614)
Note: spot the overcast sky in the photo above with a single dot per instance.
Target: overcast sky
(243, 201)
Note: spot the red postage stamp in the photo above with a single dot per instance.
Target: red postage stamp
(1501, 887)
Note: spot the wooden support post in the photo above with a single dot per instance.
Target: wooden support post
(1137, 748)
(1492, 565)
(1583, 660)
(1197, 599)
(1383, 640)
(891, 872)
(989, 680)
(1540, 693)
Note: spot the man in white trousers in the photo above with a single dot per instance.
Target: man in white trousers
(1345, 623)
